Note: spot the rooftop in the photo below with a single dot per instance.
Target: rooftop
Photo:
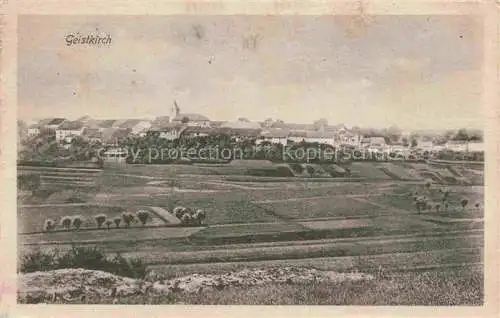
(191, 117)
(71, 125)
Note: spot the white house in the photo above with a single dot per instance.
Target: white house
(275, 136)
(33, 130)
(67, 130)
(168, 131)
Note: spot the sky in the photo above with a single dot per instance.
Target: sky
(416, 72)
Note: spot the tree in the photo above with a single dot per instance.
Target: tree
(49, 225)
(127, 218)
(446, 194)
(99, 220)
(464, 203)
(404, 140)
(108, 223)
(117, 221)
(66, 222)
(437, 206)
(414, 143)
(428, 184)
(461, 135)
(77, 222)
(143, 216)
(185, 120)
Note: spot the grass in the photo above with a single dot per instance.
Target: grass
(322, 207)
(104, 235)
(337, 224)
(247, 229)
(431, 288)
(337, 249)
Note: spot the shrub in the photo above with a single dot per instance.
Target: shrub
(179, 211)
(117, 221)
(108, 223)
(83, 257)
(28, 182)
(49, 225)
(77, 222)
(187, 219)
(38, 261)
(143, 216)
(66, 222)
(99, 220)
(201, 216)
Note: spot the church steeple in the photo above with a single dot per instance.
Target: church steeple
(175, 111)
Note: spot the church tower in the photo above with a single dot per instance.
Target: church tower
(174, 112)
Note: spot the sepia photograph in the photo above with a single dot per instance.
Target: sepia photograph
(251, 159)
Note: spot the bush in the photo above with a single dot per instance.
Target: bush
(99, 220)
(77, 222)
(143, 216)
(200, 216)
(83, 257)
(66, 222)
(28, 182)
(187, 219)
(49, 225)
(179, 211)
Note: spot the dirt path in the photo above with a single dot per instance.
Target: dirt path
(165, 215)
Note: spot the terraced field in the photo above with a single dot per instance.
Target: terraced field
(340, 225)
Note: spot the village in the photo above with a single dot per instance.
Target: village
(188, 126)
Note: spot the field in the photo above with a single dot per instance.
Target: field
(32, 218)
(363, 222)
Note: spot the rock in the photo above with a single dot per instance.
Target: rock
(69, 284)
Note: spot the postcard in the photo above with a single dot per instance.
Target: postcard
(328, 156)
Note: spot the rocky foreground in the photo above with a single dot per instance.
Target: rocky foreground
(68, 285)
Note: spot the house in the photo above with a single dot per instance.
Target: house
(92, 134)
(54, 123)
(314, 136)
(136, 126)
(217, 123)
(33, 130)
(67, 130)
(191, 120)
(111, 136)
(160, 120)
(168, 131)
(239, 134)
(374, 144)
(275, 136)
(196, 131)
(44, 124)
(464, 146)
